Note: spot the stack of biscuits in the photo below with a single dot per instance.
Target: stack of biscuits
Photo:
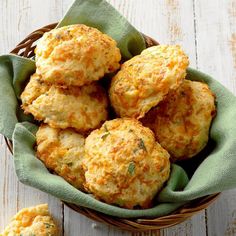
(160, 116)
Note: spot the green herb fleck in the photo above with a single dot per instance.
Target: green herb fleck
(141, 145)
(131, 131)
(105, 135)
(131, 168)
(69, 164)
(106, 129)
(48, 225)
(162, 168)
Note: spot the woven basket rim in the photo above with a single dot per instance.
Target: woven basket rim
(26, 49)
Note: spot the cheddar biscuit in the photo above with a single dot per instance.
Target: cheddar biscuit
(182, 120)
(124, 165)
(62, 151)
(32, 221)
(76, 55)
(82, 108)
(145, 80)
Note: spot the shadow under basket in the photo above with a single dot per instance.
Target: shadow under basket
(26, 49)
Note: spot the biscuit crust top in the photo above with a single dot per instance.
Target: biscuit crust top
(76, 55)
(124, 165)
(145, 80)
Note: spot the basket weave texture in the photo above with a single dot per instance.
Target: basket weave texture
(26, 49)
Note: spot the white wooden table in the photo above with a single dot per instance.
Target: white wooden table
(207, 31)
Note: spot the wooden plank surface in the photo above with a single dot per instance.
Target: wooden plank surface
(216, 53)
(207, 32)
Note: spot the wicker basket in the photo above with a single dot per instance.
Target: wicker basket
(26, 49)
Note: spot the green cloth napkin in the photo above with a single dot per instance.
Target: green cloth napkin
(14, 73)
(212, 171)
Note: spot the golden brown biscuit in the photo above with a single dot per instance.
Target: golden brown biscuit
(34, 88)
(144, 80)
(124, 165)
(82, 108)
(75, 55)
(62, 151)
(31, 222)
(182, 120)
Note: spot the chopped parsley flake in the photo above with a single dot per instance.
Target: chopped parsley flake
(70, 164)
(106, 129)
(48, 225)
(131, 168)
(141, 145)
(105, 135)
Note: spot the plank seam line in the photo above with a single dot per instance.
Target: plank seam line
(63, 218)
(206, 221)
(195, 32)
